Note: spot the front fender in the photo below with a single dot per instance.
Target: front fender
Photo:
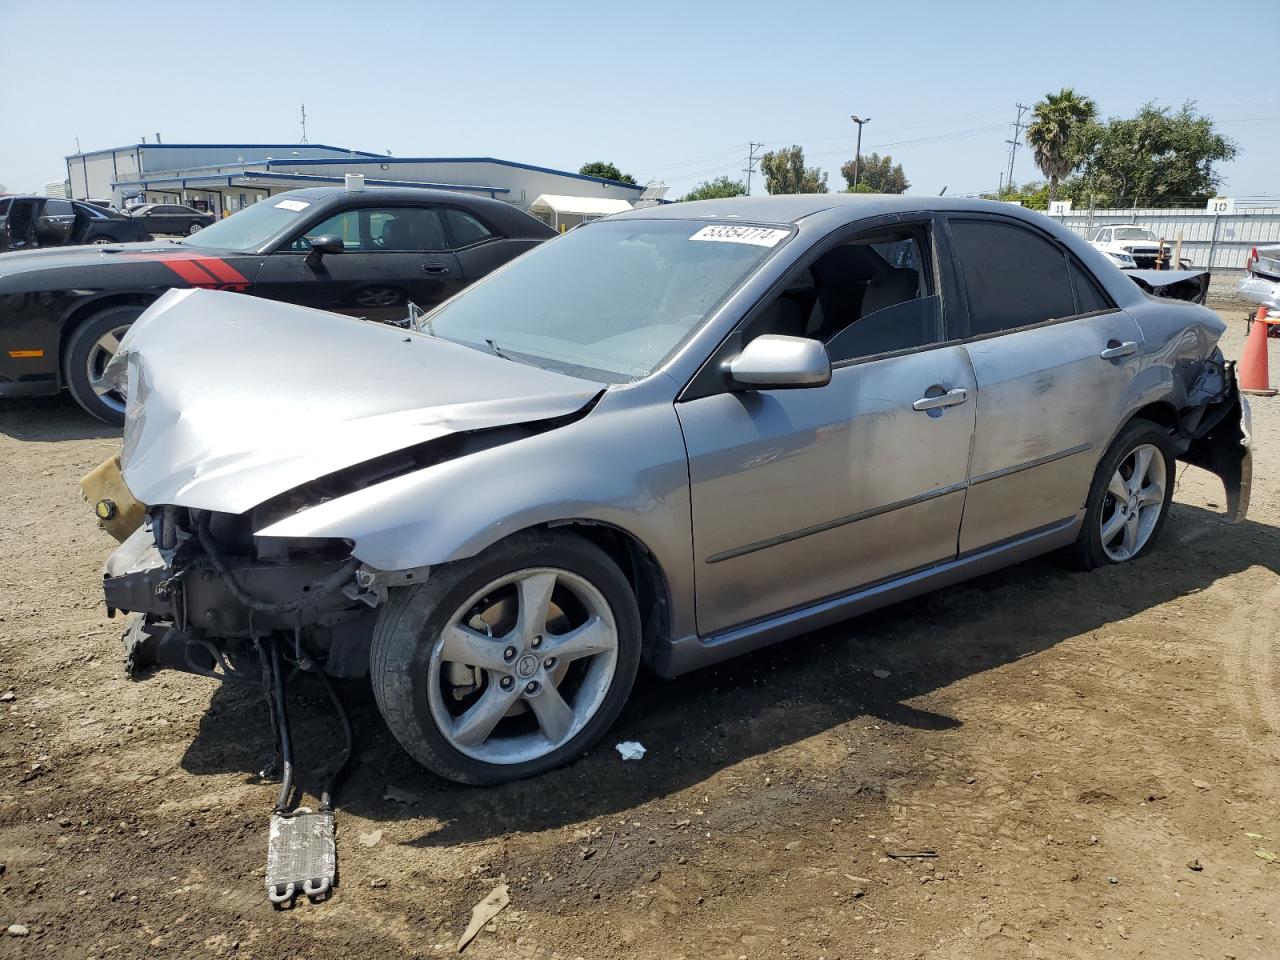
(621, 466)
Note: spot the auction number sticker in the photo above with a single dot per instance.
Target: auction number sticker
(294, 205)
(730, 233)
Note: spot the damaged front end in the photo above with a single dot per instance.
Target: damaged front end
(207, 594)
(1215, 432)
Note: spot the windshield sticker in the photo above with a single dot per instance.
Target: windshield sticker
(294, 205)
(728, 233)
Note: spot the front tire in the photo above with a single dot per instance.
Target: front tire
(194, 229)
(1129, 498)
(510, 663)
(89, 350)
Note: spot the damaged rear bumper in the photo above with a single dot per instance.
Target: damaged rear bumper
(1220, 436)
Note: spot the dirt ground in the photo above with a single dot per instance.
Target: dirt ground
(1093, 758)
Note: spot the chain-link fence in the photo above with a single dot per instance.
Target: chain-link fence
(1219, 241)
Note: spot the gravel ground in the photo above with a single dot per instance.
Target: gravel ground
(1092, 757)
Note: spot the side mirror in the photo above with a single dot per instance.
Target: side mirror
(774, 362)
(325, 243)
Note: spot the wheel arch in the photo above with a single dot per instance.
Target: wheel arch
(83, 312)
(641, 568)
(1160, 412)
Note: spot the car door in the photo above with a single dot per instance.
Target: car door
(478, 244)
(55, 221)
(1054, 359)
(804, 494)
(392, 255)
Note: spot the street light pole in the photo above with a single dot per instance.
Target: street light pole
(857, 153)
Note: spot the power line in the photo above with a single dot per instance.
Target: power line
(752, 160)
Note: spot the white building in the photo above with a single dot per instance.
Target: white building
(224, 178)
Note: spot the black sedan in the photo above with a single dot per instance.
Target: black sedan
(366, 253)
(172, 218)
(30, 222)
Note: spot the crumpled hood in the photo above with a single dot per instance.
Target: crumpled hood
(233, 400)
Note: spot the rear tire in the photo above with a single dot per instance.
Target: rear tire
(86, 355)
(412, 670)
(1123, 515)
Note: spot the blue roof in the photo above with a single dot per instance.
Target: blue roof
(222, 146)
(505, 163)
(363, 154)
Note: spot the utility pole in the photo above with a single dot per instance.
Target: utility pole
(304, 123)
(857, 152)
(752, 160)
(1018, 127)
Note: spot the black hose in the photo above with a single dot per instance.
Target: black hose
(282, 717)
(326, 795)
(310, 596)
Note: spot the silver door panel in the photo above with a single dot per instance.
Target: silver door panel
(1047, 404)
(802, 494)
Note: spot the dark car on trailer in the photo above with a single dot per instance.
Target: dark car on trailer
(30, 222)
(172, 219)
(365, 253)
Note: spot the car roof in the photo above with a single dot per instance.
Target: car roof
(792, 208)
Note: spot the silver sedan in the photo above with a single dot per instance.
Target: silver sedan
(669, 437)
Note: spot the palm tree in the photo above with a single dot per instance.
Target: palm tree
(1053, 121)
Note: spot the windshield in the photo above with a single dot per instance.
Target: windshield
(1134, 233)
(246, 231)
(608, 301)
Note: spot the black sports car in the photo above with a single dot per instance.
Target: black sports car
(29, 222)
(366, 253)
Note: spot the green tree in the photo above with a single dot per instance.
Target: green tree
(714, 189)
(1033, 194)
(876, 174)
(1160, 154)
(1054, 134)
(784, 172)
(605, 171)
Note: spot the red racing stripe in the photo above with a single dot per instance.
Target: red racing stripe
(190, 271)
(222, 270)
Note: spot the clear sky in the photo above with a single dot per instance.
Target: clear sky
(668, 90)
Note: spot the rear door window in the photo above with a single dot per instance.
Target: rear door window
(1013, 277)
(466, 229)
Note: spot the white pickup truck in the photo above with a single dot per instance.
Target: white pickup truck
(1134, 248)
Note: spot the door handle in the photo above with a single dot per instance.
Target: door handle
(435, 268)
(1115, 350)
(948, 399)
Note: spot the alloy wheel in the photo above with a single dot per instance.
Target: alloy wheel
(522, 666)
(1133, 503)
(100, 354)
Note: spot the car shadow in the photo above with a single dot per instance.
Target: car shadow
(704, 722)
(50, 419)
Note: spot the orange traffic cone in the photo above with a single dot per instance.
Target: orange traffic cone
(1252, 370)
